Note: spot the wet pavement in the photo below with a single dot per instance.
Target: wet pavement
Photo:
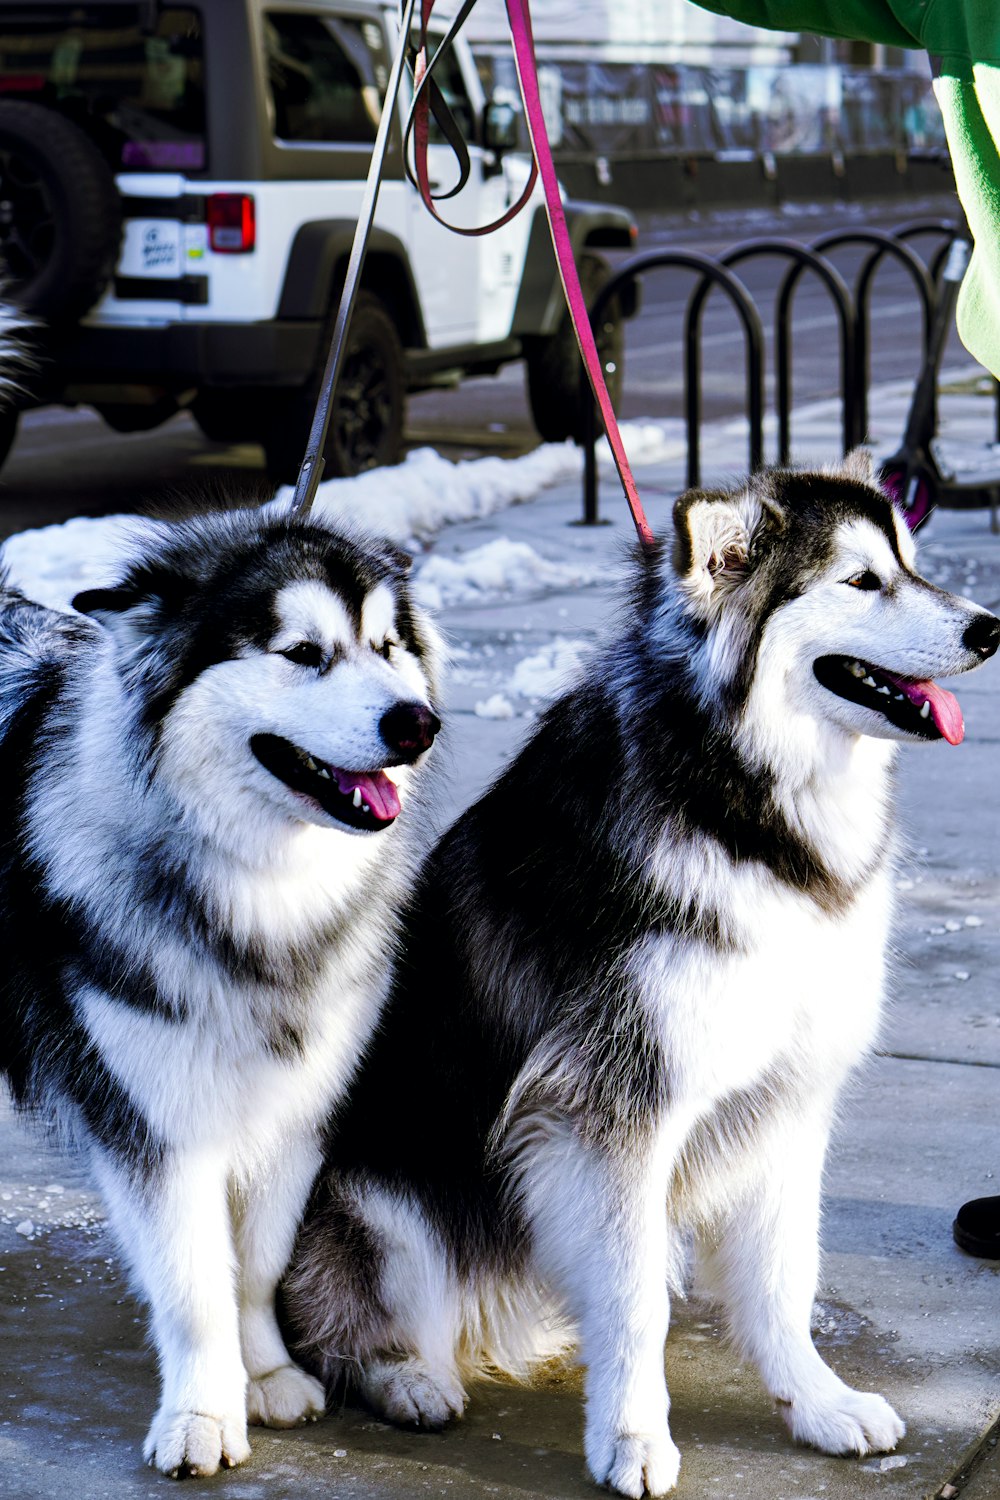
(900, 1310)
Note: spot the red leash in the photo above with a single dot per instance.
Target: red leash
(527, 76)
(428, 100)
(424, 102)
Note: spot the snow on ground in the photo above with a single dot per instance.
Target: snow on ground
(500, 568)
(496, 706)
(409, 503)
(549, 671)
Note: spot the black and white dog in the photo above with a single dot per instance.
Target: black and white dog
(203, 860)
(635, 977)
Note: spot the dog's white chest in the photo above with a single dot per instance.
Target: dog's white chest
(806, 986)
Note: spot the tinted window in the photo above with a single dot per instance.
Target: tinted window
(328, 76)
(137, 91)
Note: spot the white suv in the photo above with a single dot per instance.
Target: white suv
(178, 192)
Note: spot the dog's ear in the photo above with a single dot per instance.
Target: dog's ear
(98, 602)
(148, 596)
(713, 533)
(400, 562)
(858, 465)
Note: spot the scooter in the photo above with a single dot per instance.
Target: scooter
(925, 471)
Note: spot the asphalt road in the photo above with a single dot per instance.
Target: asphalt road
(68, 463)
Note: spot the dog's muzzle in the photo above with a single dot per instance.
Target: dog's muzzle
(409, 729)
(982, 635)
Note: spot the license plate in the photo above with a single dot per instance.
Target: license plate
(152, 248)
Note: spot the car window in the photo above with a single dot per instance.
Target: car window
(136, 86)
(327, 75)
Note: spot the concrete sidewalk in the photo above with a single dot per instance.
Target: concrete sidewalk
(901, 1309)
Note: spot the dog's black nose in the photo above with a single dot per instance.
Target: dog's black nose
(982, 634)
(409, 729)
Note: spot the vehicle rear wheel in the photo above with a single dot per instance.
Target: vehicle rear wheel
(144, 416)
(60, 214)
(554, 368)
(366, 425)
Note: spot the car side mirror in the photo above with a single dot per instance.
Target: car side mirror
(500, 122)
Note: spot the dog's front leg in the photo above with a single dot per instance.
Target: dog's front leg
(266, 1215)
(765, 1261)
(174, 1227)
(600, 1233)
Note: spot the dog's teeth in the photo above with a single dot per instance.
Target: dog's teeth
(324, 773)
(310, 763)
(366, 807)
(883, 689)
(855, 668)
(925, 708)
(900, 697)
(868, 681)
(356, 799)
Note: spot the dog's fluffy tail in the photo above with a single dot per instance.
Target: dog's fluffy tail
(17, 358)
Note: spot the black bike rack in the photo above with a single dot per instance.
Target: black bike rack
(805, 259)
(853, 319)
(711, 273)
(882, 245)
(947, 228)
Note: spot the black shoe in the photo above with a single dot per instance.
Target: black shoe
(977, 1228)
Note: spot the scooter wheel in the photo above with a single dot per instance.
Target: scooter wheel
(892, 478)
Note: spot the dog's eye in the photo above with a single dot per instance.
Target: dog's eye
(304, 654)
(386, 649)
(866, 580)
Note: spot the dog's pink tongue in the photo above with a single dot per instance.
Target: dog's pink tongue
(376, 789)
(946, 711)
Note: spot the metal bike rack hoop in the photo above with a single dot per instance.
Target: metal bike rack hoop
(805, 259)
(712, 272)
(882, 244)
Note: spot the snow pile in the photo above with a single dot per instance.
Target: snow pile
(494, 707)
(501, 568)
(549, 671)
(409, 503)
(648, 440)
(53, 563)
(426, 492)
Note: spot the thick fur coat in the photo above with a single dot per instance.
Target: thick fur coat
(635, 977)
(203, 860)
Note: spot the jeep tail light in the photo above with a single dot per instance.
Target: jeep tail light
(232, 225)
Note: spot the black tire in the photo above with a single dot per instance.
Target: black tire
(60, 214)
(366, 425)
(227, 416)
(139, 416)
(554, 367)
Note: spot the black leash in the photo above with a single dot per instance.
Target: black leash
(311, 471)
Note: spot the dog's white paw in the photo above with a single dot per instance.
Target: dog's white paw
(189, 1443)
(411, 1394)
(850, 1422)
(286, 1397)
(635, 1463)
